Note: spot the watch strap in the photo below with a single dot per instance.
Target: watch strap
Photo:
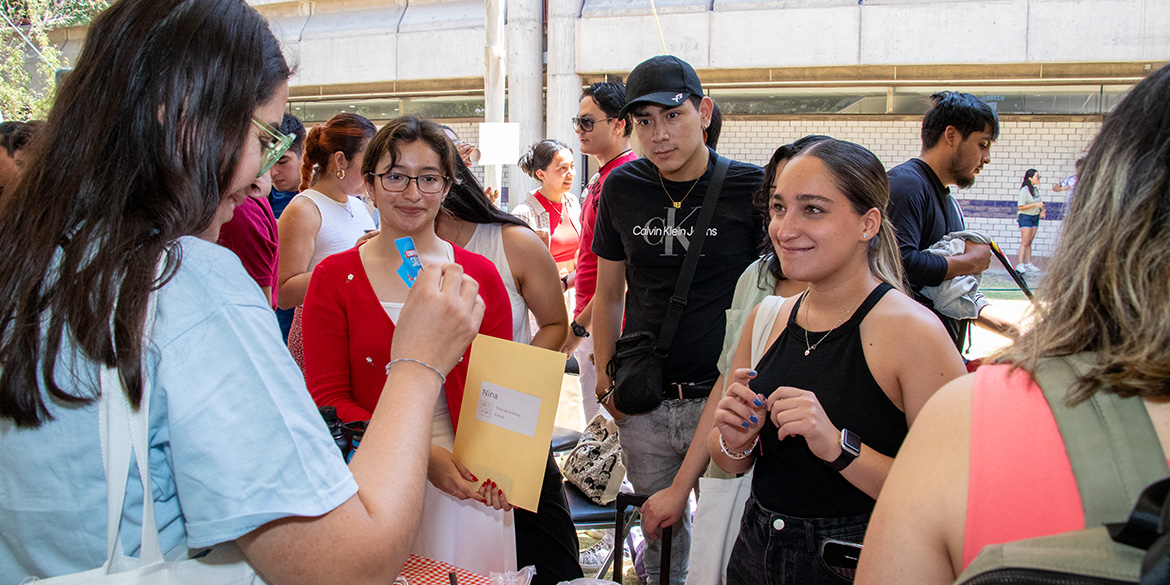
(848, 452)
(578, 329)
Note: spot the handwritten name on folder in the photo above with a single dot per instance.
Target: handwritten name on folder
(506, 419)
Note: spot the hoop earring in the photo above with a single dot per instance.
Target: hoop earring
(340, 174)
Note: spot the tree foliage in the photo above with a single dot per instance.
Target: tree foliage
(26, 94)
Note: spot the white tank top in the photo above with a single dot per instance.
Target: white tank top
(488, 241)
(341, 225)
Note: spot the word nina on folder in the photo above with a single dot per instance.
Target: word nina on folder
(506, 419)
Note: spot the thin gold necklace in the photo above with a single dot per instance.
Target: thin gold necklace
(677, 204)
(809, 348)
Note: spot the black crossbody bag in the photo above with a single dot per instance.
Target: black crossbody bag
(636, 366)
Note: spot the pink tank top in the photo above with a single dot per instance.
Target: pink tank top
(1021, 484)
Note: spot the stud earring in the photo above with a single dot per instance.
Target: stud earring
(865, 236)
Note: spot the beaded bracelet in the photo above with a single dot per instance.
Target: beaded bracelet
(442, 378)
(605, 395)
(736, 455)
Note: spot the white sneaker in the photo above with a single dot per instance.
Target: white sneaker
(1032, 268)
(1022, 268)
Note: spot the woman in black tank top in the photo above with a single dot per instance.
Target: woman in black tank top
(848, 365)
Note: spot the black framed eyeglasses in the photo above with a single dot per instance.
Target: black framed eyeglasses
(398, 182)
(586, 124)
(274, 147)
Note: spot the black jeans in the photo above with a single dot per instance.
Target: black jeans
(775, 549)
(548, 539)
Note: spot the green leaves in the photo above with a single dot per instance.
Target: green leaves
(30, 58)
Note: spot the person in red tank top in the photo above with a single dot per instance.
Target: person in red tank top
(552, 210)
(985, 463)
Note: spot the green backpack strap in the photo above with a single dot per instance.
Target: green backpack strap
(1111, 443)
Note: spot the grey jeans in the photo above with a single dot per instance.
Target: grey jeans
(654, 446)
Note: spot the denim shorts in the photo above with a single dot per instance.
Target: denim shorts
(776, 549)
(1029, 221)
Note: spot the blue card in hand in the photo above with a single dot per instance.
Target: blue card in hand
(411, 265)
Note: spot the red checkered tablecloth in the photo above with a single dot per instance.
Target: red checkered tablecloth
(423, 571)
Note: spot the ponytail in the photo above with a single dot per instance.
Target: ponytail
(345, 133)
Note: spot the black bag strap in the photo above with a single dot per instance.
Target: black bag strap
(1111, 443)
(678, 301)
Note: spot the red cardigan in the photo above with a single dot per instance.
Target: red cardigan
(347, 333)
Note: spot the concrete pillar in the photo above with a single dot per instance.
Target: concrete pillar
(525, 83)
(495, 69)
(564, 85)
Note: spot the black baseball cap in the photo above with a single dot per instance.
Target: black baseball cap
(664, 80)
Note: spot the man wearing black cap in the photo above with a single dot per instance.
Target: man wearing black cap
(645, 225)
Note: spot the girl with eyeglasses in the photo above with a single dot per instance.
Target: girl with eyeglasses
(112, 297)
(350, 315)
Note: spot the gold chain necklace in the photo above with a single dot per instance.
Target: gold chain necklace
(809, 348)
(677, 204)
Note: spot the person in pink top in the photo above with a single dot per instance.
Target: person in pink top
(985, 463)
(605, 135)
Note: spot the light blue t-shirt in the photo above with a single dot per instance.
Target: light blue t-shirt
(235, 438)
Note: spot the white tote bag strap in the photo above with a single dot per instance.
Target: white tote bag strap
(762, 327)
(116, 449)
(123, 432)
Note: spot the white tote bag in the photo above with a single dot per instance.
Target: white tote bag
(124, 432)
(721, 501)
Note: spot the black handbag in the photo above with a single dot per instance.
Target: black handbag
(636, 366)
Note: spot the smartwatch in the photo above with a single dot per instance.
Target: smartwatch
(579, 330)
(850, 449)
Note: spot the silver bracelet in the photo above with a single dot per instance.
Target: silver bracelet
(734, 455)
(442, 378)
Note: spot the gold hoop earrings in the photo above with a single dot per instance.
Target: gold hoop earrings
(340, 174)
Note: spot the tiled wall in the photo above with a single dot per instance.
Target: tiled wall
(1051, 147)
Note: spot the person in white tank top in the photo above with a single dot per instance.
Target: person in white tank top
(327, 217)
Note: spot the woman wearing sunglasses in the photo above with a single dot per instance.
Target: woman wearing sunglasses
(350, 319)
(110, 300)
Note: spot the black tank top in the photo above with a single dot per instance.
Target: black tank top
(789, 479)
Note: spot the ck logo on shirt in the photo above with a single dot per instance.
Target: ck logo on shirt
(665, 231)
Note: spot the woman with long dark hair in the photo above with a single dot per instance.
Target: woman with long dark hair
(545, 539)
(469, 220)
(107, 296)
(350, 322)
(849, 364)
(1031, 208)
